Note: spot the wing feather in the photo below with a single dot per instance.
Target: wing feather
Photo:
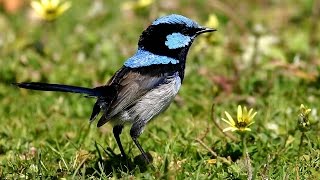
(131, 86)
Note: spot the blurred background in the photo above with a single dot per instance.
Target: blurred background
(265, 55)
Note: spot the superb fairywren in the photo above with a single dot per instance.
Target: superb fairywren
(147, 82)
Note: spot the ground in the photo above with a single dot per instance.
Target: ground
(265, 55)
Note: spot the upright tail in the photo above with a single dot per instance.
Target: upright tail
(95, 92)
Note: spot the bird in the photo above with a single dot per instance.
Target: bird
(147, 82)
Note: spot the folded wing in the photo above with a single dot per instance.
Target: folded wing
(131, 85)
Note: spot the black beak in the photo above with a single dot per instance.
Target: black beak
(204, 30)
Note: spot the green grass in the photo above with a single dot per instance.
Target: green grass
(47, 135)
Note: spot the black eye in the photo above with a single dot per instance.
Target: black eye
(189, 31)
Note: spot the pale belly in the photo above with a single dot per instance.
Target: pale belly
(152, 103)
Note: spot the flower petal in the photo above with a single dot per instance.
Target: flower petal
(227, 122)
(253, 115)
(65, 6)
(239, 113)
(246, 129)
(245, 111)
(230, 118)
(45, 2)
(37, 6)
(230, 129)
(250, 123)
(250, 111)
(55, 3)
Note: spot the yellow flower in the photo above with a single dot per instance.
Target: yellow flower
(138, 4)
(50, 9)
(210, 38)
(303, 121)
(212, 21)
(243, 121)
(304, 111)
(144, 3)
(212, 161)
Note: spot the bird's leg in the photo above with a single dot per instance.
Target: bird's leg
(116, 132)
(135, 132)
(135, 140)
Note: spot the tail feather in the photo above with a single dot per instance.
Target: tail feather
(106, 94)
(59, 87)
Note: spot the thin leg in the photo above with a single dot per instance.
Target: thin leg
(135, 132)
(135, 140)
(116, 132)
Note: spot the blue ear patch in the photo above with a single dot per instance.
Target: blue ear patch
(145, 58)
(177, 40)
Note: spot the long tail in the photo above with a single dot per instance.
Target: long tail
(95, 92)
(107, 94)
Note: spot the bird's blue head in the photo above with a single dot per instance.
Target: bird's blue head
(168, 37)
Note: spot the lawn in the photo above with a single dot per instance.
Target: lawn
(265, 55)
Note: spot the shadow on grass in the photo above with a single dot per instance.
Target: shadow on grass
(115, 165)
